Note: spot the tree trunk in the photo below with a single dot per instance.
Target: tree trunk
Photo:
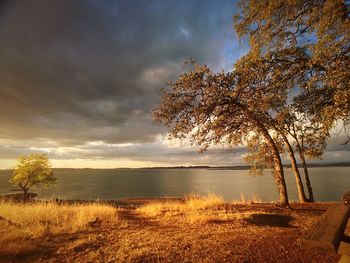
(278, 167)
(25, 194)
(278, 173)
(300, 187)
(307, 178)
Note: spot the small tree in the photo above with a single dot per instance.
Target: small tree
(32, 170)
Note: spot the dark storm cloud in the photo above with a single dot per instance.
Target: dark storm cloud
(78, 79)
(78, 71)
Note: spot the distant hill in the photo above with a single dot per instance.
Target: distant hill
(207, 167)
(246, 167)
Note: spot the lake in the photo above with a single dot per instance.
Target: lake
(328, 182)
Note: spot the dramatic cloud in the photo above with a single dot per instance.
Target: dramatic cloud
(76, 71)
(78, 79)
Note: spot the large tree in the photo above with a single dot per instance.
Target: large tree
(312, 37)
(259, 156)
(267, 76)
(309, 139)
(223, 108)
(290, 70)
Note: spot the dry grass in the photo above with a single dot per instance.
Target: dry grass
(192, 203)
(245, 201)
(194, 210)
(199, 229)
(39, 219)
(216, 217)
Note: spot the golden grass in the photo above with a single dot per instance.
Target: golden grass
(194, 210)
(191, 203)
(199, 229)
(244, 201)
(38, 219)
(214, 217)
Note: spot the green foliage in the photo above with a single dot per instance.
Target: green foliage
(33, 170)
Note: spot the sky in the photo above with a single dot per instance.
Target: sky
(78, 79)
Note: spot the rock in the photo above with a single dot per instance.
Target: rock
(328, 231)
(94, 221)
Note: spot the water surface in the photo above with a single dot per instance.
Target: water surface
(328, 182)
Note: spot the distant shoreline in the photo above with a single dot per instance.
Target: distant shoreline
(206, 167)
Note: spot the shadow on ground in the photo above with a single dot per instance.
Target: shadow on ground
(274, 220)
(25, 252)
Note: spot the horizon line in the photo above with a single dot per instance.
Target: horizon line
(345, 164)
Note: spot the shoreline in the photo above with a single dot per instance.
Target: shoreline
(205, 167)
(136, 202)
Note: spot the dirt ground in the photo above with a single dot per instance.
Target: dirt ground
(264, 233)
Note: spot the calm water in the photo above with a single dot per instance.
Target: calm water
(328, 183)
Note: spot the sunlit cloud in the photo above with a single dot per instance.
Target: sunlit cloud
(82, 87)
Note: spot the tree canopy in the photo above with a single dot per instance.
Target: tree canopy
(284, 96)
(312, 36)
(222, 108)
(33, 170)
(312, 40)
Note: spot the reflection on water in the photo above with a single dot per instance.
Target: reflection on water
(328, 183)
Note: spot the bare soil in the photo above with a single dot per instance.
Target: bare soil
(268, 234)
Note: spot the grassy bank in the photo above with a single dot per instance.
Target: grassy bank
(39, 219)
(196, 209)
(198, 229)
(21, 223)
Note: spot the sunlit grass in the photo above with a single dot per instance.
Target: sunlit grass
(245, 201)
(39, 219)
(196, 209)
(193, 225)
(193, 210)
(190, 204)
